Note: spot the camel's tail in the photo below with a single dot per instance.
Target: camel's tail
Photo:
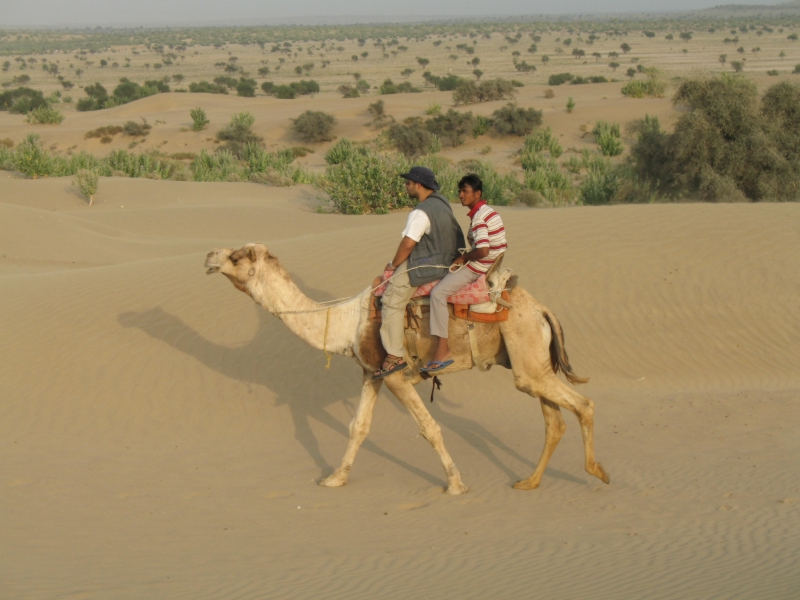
(558, 354)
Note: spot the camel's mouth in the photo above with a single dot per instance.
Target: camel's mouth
(216, 259)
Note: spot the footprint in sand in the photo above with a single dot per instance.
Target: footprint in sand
(727, 507)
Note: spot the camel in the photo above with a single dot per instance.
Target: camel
(530, 343)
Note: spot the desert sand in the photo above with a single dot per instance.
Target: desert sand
(162, 436)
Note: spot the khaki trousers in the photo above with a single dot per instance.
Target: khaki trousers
(395, 299)
(452, 282)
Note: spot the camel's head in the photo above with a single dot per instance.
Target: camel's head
(240, 266)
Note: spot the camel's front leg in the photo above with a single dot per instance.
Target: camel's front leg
(359, 428)
(429, 429)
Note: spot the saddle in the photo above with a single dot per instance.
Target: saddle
(485, 300)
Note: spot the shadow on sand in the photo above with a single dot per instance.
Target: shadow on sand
(274, 349)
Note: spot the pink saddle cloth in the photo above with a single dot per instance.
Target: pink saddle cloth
(476, 292)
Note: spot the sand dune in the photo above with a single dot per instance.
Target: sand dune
(161, 435)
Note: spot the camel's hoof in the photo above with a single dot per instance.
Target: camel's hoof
(332, 481)
(600, 473)
(525, 484)
(456, 489)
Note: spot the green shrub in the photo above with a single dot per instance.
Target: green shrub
(340, 152)
(772, 72)
(285, 92)
(542, 140)
(22, 100)
(204, 87)
(796, 70)
(434, 108)
(367, 182)
(411, 137)
(199, 119)
(726, 145)
(607, 136)
(220, 166)
(600, 185)
(86, 182)
(592, 79)
(451, 127)
(570, 104)
(389, 87)
(654, 85)
(482, 125)
(560, 78)
(549, 181)
(237, 134)
(45, 115)
(470, 92)
(246, 88)
(268, 88)
(314, 126)
(32, 159)
(348, 91)
(512, 120)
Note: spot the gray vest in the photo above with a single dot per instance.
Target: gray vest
(440, 246)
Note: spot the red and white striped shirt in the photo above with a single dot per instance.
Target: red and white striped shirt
(486, 231)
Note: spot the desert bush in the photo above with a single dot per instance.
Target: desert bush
(46, 115)
(314, 126)
(548, 93)
(600, 184)
(367, 182)
(482, 126)
(470, 92)
(96, 97)
(86, 182)
(560, 78)
(204, 87)
(513, 120)
(199, 119)
(349, 91)
(101, 132)
(591, 79)
(654, 85)
(220, 166)
(608, 137)
(340, 152)
(434, 108)
(411, 137)
(389, 87)
(134, 129)
(548, 180)
(238, 133)
(246, 88)
(284, 92)
(31, 159)
(447, 83)
(727, 144)
(22, 100)
(796, 70)
(305, 87)
(541, 140)
(570, 104)
(451, 127)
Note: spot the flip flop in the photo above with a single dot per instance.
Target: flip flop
(394, 368)
(442, 365)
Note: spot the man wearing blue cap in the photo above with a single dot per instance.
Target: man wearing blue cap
(430, 243)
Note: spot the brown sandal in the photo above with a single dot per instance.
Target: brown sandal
(390, 365)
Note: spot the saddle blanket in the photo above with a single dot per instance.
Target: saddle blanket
(476, 292)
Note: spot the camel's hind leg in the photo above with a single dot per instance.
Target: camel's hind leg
(554, 428)
(429, 429)
(359, 428)
(553, 389)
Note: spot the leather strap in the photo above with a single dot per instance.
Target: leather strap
(473, 344)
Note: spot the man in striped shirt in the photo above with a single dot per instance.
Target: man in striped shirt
(487, 238)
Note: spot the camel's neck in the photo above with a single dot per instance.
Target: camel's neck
(332, 329)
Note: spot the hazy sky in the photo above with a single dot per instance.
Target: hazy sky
(54, 13)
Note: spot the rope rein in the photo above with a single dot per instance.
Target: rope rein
(329, 304)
